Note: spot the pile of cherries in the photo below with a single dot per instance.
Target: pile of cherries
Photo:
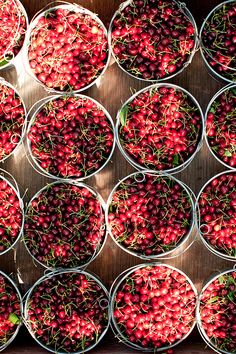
(11, 215)
(10, 310)
(12, 119)
(221, 126)
(71, 136)
(154, 307)
(217, 213)
(152, 39)
(217, 312)
(67, 312)
(160, 127)
(149, 214)
(218, 40)
(64, 225)
(68, 48)
(13, 26)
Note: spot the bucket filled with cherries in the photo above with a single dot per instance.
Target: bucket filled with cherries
(216, 312)
(160, 128)
(67, 311)
(69, 137)
(11, 212)
(153, 40)
(12, 120)
(220, 126)
(150, 215)
(218, 39)
(10, 310)
(13, 27)
(65, 225)
(216, 203)
(153, 307)
(66, 48)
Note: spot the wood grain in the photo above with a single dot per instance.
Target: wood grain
(115, 88)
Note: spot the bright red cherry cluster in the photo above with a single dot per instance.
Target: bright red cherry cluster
(154, 307)
(71, 136)
(218, 312)
(149, 214)
(218, 39)
(221, 126)
(160, 127)
(10, 310)
(68, 48)
(67, 312)
(11, 215)
(152, 39)
(64, 225)
(12, 119)
(217, 213)
(13, 26)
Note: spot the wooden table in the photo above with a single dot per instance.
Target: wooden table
(115, 88)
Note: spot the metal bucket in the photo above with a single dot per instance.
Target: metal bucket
(206, 54)
(3, 82)
(44, 12)
(6, 63)
(32, 116)
(215, 97)
(182, 8)
(103, 303)
(130, 159)
(13, 285)
(14, 186)
(198, 313)
(180, 247)
(201, 224)
(115, 288)
(77, 262)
